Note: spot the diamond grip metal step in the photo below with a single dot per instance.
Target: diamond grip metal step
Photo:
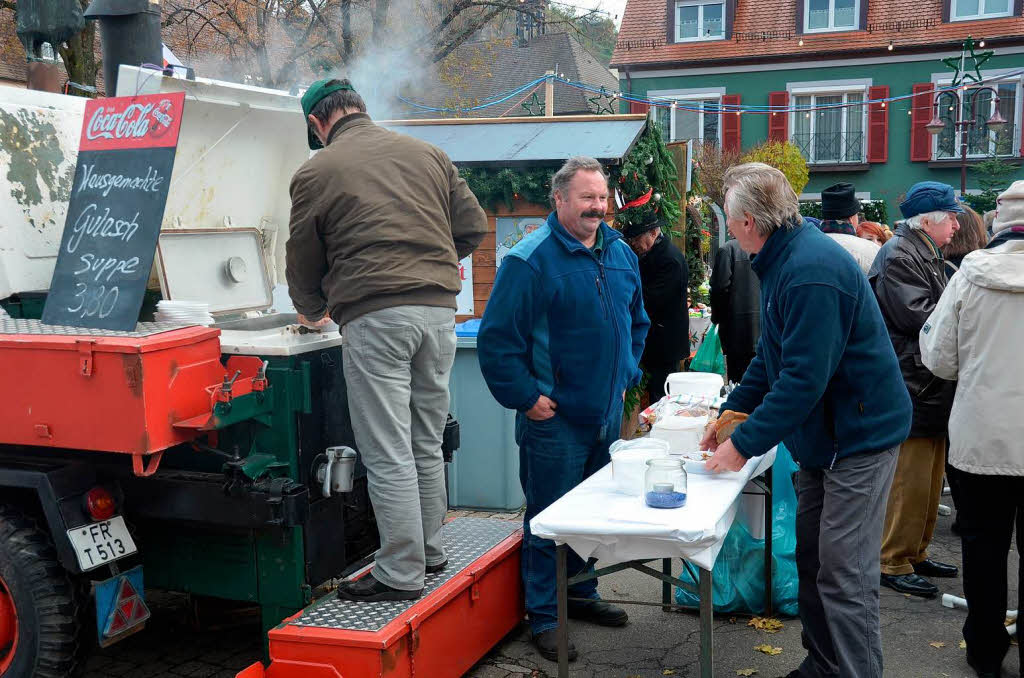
(465, 540)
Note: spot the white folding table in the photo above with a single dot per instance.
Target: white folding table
(600, 523)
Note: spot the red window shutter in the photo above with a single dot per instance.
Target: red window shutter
(921, 113)
(638, 107)
(878, 125)
(731, 132)
(778, 121)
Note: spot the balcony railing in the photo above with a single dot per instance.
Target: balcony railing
(830, 148)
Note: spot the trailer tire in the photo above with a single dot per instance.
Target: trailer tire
(41, 603)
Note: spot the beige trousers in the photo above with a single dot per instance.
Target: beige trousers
(913, 504)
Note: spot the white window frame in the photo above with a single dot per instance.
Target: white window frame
(700, 19)
(981, 14)
(832, 28)
(831, 88)
(690, 97)
(992, 79)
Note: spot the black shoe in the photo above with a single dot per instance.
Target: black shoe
(434, 569)
(598, 612)
(546, 643)
(997, 672)
(913, 584)
(933, 568)
(369, 590)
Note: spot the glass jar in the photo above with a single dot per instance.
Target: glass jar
(665, 483)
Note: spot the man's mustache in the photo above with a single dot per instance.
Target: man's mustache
(593, 214)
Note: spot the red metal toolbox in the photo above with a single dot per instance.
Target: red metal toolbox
(122, 392)
(464, 612)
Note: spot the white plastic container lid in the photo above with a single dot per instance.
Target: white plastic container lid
(706, 384)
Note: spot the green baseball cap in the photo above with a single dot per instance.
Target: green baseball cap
(314, 95)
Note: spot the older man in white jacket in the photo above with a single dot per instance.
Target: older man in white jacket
(974, 336)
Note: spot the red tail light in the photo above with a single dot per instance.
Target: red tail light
(100, 504)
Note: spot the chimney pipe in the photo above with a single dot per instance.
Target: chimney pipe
(129, 34)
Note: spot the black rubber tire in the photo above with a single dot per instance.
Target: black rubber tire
(44, 598)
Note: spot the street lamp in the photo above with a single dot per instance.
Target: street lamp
(995, 122)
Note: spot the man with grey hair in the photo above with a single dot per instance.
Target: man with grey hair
(560, 342)
(379, 221)
(825, 381)
(908, 277)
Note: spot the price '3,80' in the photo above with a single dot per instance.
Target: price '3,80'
(94, 300)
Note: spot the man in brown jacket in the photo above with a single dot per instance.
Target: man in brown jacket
(379, 222)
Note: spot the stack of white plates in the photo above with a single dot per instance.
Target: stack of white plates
(183, 312)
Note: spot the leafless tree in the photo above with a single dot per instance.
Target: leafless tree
(276, 36)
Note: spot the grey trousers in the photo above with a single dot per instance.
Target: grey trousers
(839, 521)
(397, 362)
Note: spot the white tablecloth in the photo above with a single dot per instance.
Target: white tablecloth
(596, 520)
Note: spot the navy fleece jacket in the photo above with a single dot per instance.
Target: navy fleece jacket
(825, 380)
(566, 322)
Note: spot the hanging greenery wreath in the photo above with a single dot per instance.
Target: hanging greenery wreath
(647, 169)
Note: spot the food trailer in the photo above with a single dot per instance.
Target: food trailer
(218, 458)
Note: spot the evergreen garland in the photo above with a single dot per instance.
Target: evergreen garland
(500, 186)
(698, 243)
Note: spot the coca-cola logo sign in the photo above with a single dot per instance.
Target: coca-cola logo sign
(133, 122)
(139, 121)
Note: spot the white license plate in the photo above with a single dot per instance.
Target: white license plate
(100, 543)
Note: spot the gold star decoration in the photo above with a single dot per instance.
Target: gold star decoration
(959, 64)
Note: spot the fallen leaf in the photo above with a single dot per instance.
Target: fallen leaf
(1009, 620)
(963, 644)
(906, 595)
(732, 620)
(668, 672)
(745, 672)
(766, 624)
(937, 644)
(768, 649)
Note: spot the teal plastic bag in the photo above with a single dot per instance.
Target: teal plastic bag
(709, 356)
(738, 574)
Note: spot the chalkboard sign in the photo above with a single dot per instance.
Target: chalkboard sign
(125, 159)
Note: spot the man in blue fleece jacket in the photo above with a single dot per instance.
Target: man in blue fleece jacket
(827, 383)
(560, 343)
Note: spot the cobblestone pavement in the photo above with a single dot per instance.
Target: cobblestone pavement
(921, 638)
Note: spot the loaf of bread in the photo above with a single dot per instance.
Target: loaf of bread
(727, 423)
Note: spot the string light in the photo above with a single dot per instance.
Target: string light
(981, 44)
(801, 43)
(890, 46)
(739, 110)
